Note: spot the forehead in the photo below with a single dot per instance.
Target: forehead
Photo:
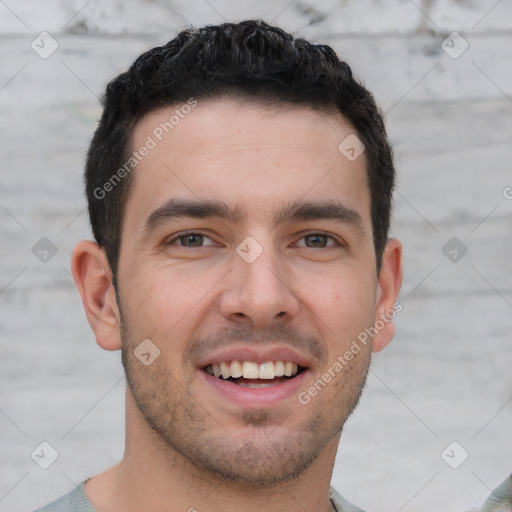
(252, 156)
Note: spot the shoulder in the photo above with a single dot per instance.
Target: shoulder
(500, 499)
(341, 504)
(75, 501)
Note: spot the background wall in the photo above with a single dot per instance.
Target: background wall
(445, 378)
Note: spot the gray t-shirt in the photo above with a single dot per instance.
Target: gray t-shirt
(500, 499)
(76, 501)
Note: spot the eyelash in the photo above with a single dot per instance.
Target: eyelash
(190, 233)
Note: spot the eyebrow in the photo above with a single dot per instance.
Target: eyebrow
(174, 209)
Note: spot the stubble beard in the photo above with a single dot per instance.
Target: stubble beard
(266, 454)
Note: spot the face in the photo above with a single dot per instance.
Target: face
(246, 249)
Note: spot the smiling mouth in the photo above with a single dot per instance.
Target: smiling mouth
(249, 374)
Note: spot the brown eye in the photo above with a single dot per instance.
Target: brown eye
(191, 240)
(318, 240)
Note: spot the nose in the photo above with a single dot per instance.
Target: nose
(259, 293)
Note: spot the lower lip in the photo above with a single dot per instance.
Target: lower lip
(256, 397)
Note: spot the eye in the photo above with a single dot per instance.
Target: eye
(191, 240)
(318, 240)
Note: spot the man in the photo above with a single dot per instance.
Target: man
(239, 187)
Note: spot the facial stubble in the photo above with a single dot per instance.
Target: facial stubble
(261, 451)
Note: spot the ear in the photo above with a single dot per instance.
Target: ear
(390, 281)
(93, 278)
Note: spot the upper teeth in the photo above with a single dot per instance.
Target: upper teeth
(250, 370)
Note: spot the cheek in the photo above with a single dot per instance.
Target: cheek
(343, 305)
(341, 308)
(167, 299)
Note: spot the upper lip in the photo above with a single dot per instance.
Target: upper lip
(257, 355)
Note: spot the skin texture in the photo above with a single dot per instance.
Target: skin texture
(187, 446)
